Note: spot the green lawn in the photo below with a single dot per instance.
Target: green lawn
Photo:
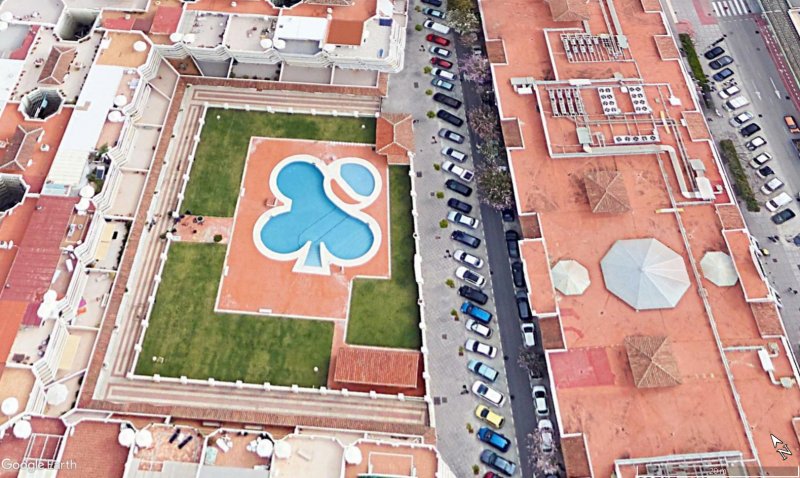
(219, 161)
(385, 312)
(198, 343)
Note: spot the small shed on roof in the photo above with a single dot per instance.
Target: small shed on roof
(377, 366)
(56, 67)
(394, 137)
(569, 10)
(651, 360)
(21, 147)
(606, 192)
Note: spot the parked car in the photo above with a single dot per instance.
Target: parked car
(470, 277)
(480, 348)
(447, 100)
(434, 38)
(479, 368)
(755, 143)
(486, 414)
(458, 187)
(455, 154)
(449, 117)
(467, 258)
(546, 433)
(487, 393)
(778, 201)
(713, 53)
(518, 274)
(494, 439)
(442, 73)
(441, 63)
(459, 205)
(791, 124)
(443, 84)
(721, 62)
(473, 294)
(509, 215)
(466, 239)
(451, 136)
(540, 400)
(462, 219)
(436, 26)
(472, 310)
(723, 74)
(492, 459)
(750, 130)
(741, 118)
(432, 12)
(528, 335)
(783, 216)
(443, 52)
(771, 186)
(474, 326)
(728, 92)
(523, 307)
(760, 160)
(512, 245)
(765, 172)
(452, 168)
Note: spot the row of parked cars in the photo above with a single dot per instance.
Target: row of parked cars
(469, 265)
(747, 128)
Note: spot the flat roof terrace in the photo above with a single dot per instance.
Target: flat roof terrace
(595, 387)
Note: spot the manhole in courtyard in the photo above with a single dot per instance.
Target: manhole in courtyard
(444, 336)
(416, 84)
(419, 174)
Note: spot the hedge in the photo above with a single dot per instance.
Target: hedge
(741, 185)
(694, 61)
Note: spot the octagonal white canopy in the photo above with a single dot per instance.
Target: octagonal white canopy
(22, 429)
(718, 268)
(57, 394)
(126, 437)
(10, 406)
(645, 273)
(570, 277)
(144, 439)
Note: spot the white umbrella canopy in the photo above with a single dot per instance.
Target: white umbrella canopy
(352, 455)
(570, 277)
(718, 268)
(10, 406)
(126, 437)
(23, 429)
(264, 448)
(645, 274)
(283, 450)
(144, 439)
(57, 394)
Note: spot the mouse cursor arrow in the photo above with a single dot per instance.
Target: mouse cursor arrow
(775, 441)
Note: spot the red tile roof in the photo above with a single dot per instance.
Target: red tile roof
(82, 446)
(57, 65)
(346, 32)
(166, 20)
(377, 366)
(21, 147)
(394, 134)
(569, 10)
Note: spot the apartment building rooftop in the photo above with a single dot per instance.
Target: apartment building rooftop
(604, 131)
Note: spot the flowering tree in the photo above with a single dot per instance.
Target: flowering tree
(484, 122)
(463, 21)
(476, 69)
(495, 184)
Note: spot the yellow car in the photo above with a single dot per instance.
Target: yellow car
(484, 413)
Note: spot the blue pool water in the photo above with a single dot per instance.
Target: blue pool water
(359, 178)
(315, 218)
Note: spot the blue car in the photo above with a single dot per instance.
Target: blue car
(481, 315)
(494, 439)
(488, 457)
(485, 371)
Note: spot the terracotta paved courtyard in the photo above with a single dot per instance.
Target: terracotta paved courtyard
(253, 281)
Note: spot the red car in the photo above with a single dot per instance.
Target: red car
(437, 39)
(441, 63)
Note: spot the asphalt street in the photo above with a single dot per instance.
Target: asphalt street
(746, 39)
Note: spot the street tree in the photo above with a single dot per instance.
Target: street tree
(495, 185)
(476, 69)
(464, 21)
(530, 361)
(545, 462)
(484, 122)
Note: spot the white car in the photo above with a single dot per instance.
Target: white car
(546, 432)
(741, 118)
(479, 328)
(466, 258)
(488, 393)
(437, 50)
(728, 92)
(755, 143)
(760, 160)
(480, 348)
(462, 219)
(470, 277)
(528, 335)
(462, 173)
(540, 400)
(771, 186)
